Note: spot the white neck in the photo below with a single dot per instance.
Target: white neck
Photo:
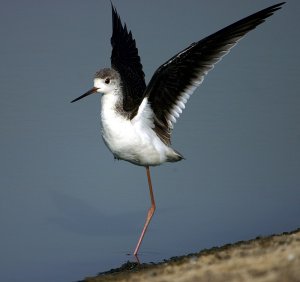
(109, 102)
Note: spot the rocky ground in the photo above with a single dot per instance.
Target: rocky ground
(273, 258)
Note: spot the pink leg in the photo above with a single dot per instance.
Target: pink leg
(150, 212)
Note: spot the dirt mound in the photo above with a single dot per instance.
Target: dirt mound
(273, 258)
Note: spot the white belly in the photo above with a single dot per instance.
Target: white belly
(132, 140)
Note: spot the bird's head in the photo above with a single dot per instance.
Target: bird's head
(105, 81)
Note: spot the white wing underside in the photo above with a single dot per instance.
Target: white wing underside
(175, 81)
(179, 106)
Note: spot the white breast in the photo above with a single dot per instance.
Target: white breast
(132, 140)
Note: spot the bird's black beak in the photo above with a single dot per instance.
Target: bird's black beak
(91, 91)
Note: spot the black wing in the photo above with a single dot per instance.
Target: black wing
(125, 59)
(174, 82)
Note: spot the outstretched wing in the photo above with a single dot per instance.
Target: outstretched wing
(174, 82)
(125, 60)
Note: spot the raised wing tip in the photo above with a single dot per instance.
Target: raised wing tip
(279, 4)
(274, 8)
(114, 11)
(112, 5)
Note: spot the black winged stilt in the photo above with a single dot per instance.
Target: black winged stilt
(137, 119)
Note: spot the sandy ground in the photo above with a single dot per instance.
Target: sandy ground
(273, 258)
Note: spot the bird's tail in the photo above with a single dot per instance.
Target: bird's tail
(174, 156)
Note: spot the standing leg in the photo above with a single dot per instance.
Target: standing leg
(150, 212)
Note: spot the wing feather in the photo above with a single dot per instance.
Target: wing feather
(125, 59)
(174, 82)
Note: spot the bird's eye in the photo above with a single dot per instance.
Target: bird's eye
(107, 81)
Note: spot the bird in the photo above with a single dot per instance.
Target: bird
(138, 119)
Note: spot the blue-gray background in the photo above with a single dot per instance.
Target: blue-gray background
(68, 210)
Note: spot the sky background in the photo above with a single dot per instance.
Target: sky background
(68, 210)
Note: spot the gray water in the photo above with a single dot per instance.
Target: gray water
(68, 210)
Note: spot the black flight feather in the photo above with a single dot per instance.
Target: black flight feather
(174, 81)
(125, 60)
